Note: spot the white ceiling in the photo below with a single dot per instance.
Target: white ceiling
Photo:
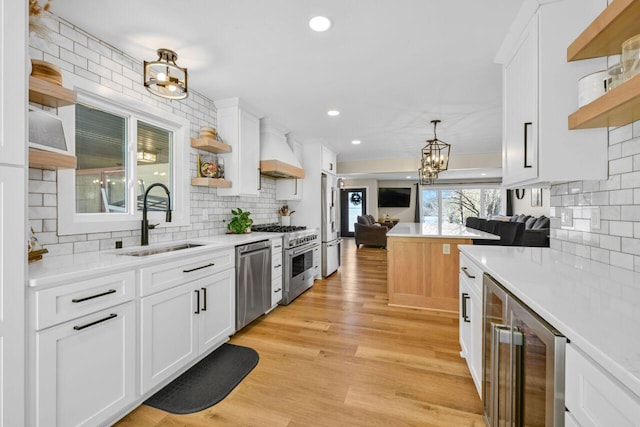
(389, 66)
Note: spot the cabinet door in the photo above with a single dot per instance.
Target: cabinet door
(12, 279)
(474, 359)
(289, 189)
(328, 161)
(168, 334)
(216, 320)
(249, 173)
(86, 368)
(465, 321)
(520, 145)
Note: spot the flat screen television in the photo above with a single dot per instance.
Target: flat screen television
(394, 197)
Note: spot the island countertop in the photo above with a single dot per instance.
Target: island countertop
(445, 231)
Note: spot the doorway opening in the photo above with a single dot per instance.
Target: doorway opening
(353, 202)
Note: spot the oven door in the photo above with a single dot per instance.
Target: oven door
(298, 270)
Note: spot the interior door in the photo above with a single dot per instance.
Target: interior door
(353, 202)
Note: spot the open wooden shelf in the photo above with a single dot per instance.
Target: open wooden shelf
(278, 169)
(618, 107)
(51, 95)
(618, 22)
(49, 160)
(210, 182)
(211, 145)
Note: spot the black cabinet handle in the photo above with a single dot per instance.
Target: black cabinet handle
(198, 268)
(278, 266)
(109, 292)
(526, 143)
(465, 315)
(277, 290)
(295, 193)
(259, 179)
(109, 317)
(197, 291)
(466, 273)
(204, 297)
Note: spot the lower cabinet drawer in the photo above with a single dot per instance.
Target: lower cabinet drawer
(62, 303)
(276, 265)
(593, 397)
(85, 369)
(163, 276)
(276, 291)
(471, 272)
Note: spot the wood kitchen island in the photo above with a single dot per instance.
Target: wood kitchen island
(423, 261)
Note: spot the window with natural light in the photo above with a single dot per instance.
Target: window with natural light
(455, 205)
(122, 148)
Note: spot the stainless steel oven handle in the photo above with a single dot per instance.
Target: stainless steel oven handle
(301, 250)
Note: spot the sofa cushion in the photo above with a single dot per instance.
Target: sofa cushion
(541, 223)
(372, 220)
(523, 218)
(362, 219)
(529, 223)
(513, 218)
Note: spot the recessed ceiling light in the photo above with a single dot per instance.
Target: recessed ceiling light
(483, 174)
(333, 113)
(319, 23)
(356, 141)
(408, 177)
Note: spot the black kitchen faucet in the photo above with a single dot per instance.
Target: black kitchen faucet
(144, 241)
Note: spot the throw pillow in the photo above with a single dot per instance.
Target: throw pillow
(541, 223)
(529, 223)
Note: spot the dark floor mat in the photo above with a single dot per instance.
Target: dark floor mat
(207, 382)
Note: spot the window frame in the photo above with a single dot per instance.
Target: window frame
(481, 187)
(94, 95)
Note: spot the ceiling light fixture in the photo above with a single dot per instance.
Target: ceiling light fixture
(434, 158)
(333, 113)
(356, 142)
(408, 177)
(320, 23)
(164, 78)
(146, 157)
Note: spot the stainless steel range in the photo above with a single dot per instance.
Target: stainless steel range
(300, 244)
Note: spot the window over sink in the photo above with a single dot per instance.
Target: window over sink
(123, 146)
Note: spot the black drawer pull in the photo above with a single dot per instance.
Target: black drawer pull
(109, 292)
(277, 290)
(204, 297)
(197, 291)
(198, 268)
(278, 266)
(109, 317)
(465, 316)
(466, 273)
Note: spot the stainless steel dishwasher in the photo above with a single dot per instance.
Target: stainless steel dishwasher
(253, 282)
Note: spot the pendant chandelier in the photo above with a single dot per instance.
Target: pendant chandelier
(164, 77)
(434, 158)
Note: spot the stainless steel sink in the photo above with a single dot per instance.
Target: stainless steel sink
(154, 251)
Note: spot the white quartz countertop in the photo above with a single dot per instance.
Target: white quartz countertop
(596, 306)
(448, 231)
(56, 270)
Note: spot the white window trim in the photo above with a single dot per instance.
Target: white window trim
(93, 94)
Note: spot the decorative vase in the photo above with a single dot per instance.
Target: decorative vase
(285, 220)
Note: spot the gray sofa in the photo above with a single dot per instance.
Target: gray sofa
(368, 232)
(518, 230)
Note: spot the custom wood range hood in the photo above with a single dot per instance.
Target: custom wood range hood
(277, 159)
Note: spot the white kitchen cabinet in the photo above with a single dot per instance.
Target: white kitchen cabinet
(183, 322)
(593, 397)
(329, 162)
(168, 334)
(276, 270)
(239, 126)
(539, 93)
(317, 263)
(470, 284)
(86, 368)
(289, 189)
(217, 315)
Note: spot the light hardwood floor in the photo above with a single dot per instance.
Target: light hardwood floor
(339, 356)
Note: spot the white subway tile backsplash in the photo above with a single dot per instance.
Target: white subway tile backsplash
(85, 52)
(630, 213)
(630, 180)
(99, 70)
(621, 228)
(42, 212)
(73, 58)
(621, 260)
(620, 134)
(621, 197)
(111, 65)
(74, 35)
(622, 165)
(610, 242)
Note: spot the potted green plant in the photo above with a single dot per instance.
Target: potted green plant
(240, 222)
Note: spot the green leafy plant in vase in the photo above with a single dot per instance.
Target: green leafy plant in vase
(240, 222)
